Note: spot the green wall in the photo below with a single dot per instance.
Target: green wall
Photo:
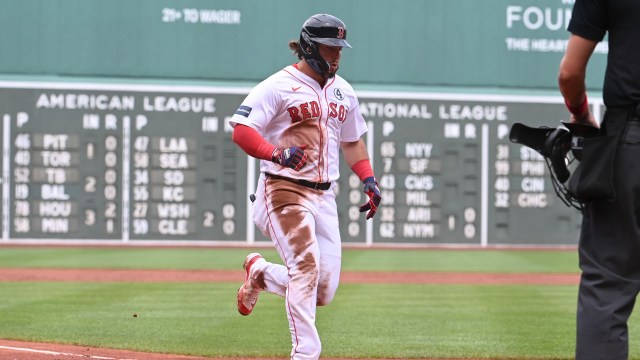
(470, 43)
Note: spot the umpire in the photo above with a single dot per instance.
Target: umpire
(609, 248)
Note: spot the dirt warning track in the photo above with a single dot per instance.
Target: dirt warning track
(118, 275)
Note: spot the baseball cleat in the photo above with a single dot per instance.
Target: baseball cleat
(249, 291)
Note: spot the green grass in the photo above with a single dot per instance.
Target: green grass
(364, 321)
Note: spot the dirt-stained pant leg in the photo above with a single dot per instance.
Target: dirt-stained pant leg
(289, 215)
(328, 235)
(274, 278)
(301, 302)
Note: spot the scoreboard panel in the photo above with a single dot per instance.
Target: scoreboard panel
(121, 165)
(448, 173)
(130, 163)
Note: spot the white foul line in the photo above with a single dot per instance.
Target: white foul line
(59, 353)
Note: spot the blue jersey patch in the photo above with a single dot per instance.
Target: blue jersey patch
(243, 111)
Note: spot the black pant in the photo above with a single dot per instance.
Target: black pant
(609, 251)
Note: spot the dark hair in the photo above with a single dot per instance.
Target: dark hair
(295, 47)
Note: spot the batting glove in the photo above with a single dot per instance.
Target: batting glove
(292, 157)
(371, 189)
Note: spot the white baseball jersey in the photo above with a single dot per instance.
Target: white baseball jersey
(291, 109)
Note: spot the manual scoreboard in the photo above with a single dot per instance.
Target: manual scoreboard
(126, 163)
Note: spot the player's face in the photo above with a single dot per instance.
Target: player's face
(331, 54)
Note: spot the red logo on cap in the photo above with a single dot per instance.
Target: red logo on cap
(340, 33)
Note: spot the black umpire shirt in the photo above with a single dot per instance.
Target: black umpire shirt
(591, 19)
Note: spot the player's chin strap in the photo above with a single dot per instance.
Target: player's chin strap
(311, 53)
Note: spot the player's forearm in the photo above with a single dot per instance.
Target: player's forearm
(249, 140)
(355, 154)
(354, 151)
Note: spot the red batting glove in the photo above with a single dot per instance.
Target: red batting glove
(371, 189)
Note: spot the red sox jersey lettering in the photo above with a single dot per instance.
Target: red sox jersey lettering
(304, 111)
(312, 110)
(337, 111)
(291, 109)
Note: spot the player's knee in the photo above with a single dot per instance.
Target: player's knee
(325, 294)
(324, 300)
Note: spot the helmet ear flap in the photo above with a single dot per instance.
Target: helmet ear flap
(307, 47)
(311, 53)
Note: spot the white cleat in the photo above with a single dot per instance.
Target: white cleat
(249, 291)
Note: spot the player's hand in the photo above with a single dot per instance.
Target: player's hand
(371, 189)
(291, 157)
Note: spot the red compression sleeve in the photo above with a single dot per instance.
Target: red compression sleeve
(363, 169)
(580, 109)
(250, 140)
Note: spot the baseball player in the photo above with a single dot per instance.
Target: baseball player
(297, 121)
